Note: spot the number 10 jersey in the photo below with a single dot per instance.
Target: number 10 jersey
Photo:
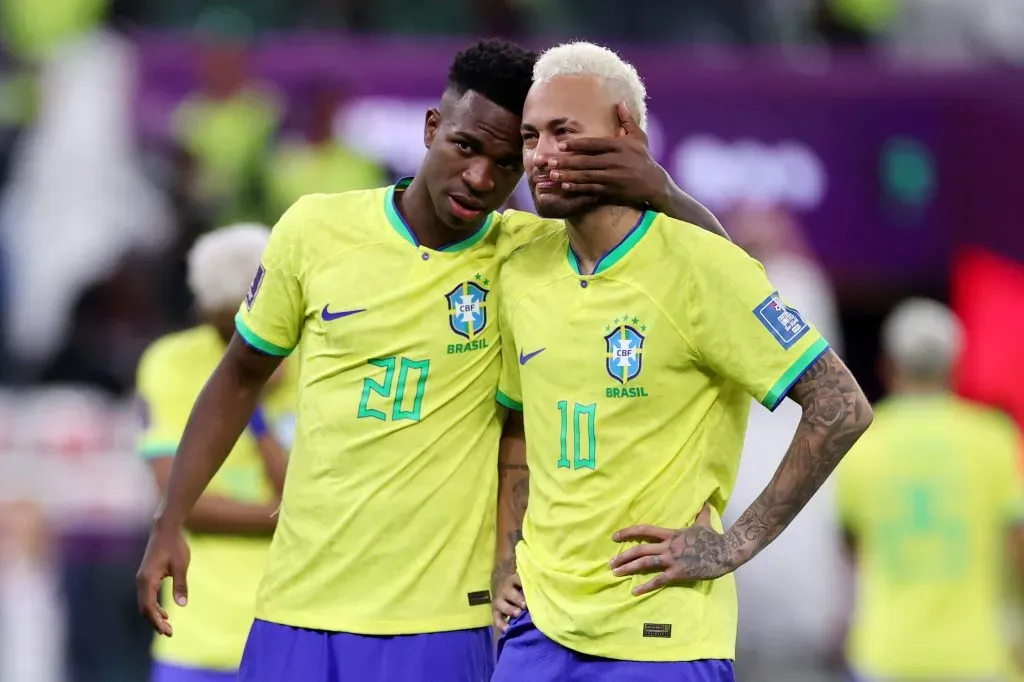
(387, 521)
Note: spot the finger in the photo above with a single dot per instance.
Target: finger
(579, 177)
(642, 532)
(656, 583)
(514, 597)
(634, 553)
(180, 584)
(645, 564)
(629, 123)
(704, 517)
(507, 607)
(588, 145)
(500, 624)
(564, 162)
(595, 190)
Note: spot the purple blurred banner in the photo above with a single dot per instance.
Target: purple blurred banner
(888, 170)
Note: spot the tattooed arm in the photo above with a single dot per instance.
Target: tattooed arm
(835, 414)
(513, 492)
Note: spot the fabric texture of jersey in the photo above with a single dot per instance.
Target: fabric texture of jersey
(281, 653)
(224, 571)
(525, 654)
(387, 522)
(929, 494)
(635, 384)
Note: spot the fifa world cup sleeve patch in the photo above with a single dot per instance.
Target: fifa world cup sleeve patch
(784, 323)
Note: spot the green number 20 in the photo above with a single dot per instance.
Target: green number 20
(384, 389)
(579, 459)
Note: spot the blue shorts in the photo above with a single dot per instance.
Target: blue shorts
(525, 654)
(280, 653)
(166, 672)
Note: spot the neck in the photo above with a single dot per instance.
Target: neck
(594, 233)
(909, 386)
(415, 206)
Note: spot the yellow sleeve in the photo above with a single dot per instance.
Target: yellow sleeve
(1008, 479)
(165, 401)
(510, 392)
(740, 326)
(271, 316)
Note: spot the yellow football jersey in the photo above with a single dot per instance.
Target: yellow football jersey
(635, 383)
(929, 494)
(225, 571)
(387, 522)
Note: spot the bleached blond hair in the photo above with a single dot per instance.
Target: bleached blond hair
(588, 59)
(222, 264)
(922, 337)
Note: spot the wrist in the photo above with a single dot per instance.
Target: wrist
(737, 550)
(168, 520)
(661, 201)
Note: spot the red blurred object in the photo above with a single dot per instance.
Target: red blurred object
(988, 296)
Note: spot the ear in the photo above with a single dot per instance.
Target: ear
(431, 126)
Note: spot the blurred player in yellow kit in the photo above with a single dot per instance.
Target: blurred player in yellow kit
(932, 503)
(231, 525)
(631, 344)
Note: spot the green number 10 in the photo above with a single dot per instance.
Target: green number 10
(384, 389)
(580, 459)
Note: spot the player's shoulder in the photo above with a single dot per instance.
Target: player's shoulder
(986, 420)
(320, 209)
(691, 241)
(176, 353)
(519, 228)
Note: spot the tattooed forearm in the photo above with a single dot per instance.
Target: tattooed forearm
(835, 414)
(513, 495)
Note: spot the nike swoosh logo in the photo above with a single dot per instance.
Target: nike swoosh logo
(523, 359)
(331, 317)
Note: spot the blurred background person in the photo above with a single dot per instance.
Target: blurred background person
(231, 525)
(229, 122)
(931, 503)
(317, 161)
(798, 579)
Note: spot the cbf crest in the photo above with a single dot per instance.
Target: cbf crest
(467, 307)
(625, 349)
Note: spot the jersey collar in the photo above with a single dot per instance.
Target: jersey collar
(621, 249)
(399, 225)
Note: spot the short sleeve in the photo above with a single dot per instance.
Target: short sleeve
(742, 328)
(510, 392)
(271, 316)
(1008, 479)
(519, 228)
(165, 403)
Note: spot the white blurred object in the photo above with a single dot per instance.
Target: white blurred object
(78, 200)
(31, 617)
(952, 31)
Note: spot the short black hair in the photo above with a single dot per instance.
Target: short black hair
(498, 69)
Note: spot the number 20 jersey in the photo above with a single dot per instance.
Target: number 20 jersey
(387, 520)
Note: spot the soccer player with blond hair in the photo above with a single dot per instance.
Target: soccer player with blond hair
(631, 345)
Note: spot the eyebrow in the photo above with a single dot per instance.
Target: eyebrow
(553, 122)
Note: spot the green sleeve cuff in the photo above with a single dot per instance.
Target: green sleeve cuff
(157, 450)
(778, 391)
(508, 402)
(255, 341)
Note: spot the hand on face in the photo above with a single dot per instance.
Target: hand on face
(619, 170)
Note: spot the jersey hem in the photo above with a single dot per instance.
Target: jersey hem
(684, 654)
(377, 627)
(191, 666)
(506, 401)
(255, 341)
(780, 389)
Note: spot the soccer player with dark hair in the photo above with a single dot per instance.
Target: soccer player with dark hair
(379, 567)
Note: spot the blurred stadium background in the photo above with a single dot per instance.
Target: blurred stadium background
(865, 150)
